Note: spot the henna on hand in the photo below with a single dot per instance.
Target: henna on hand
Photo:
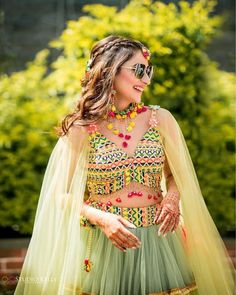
(168, 213)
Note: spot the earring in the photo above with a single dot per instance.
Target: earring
(112, 104)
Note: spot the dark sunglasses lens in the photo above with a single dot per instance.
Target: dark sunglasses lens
(139, 71)
(149, 71)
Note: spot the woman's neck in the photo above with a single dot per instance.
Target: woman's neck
(122, 106)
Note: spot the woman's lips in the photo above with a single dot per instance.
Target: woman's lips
(138, 88)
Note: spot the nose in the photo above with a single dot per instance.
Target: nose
(145, 79)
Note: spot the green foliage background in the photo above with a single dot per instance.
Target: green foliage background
(186, 82)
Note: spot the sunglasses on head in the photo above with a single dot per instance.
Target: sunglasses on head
(140, 69)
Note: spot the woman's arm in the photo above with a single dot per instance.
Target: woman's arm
(171, 186)
(168, 211)
(113, 226)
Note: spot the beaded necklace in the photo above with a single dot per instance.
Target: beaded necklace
(129, 113)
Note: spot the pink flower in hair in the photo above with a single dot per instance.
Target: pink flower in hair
(146, 53)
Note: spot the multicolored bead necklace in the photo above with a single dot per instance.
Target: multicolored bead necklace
(131, 112)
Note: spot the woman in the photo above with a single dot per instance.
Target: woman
(120, 210)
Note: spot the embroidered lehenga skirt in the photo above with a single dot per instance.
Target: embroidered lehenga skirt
(159, 266)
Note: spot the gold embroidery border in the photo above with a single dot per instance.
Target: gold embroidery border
(174, 291)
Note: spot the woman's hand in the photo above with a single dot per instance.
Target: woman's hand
(114, 228)
(168, 213)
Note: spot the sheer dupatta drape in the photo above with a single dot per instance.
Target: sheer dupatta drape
(53, 264)
(210, 262)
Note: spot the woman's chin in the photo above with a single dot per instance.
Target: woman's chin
(137, 99)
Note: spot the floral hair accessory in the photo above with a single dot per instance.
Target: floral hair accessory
(146, 53)
(88, 66)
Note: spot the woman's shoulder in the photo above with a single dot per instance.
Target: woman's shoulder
(77, 130)
(164, 117)
(76, 134)
(154, 106)
(161, 111)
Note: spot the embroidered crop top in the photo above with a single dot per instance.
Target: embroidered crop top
(110, 169)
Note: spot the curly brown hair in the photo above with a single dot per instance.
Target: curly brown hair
(106, 58)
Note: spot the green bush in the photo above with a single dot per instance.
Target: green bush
(186, 82)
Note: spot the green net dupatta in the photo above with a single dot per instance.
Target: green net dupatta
(52, 262)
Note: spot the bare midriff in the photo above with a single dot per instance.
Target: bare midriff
(133, 195)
